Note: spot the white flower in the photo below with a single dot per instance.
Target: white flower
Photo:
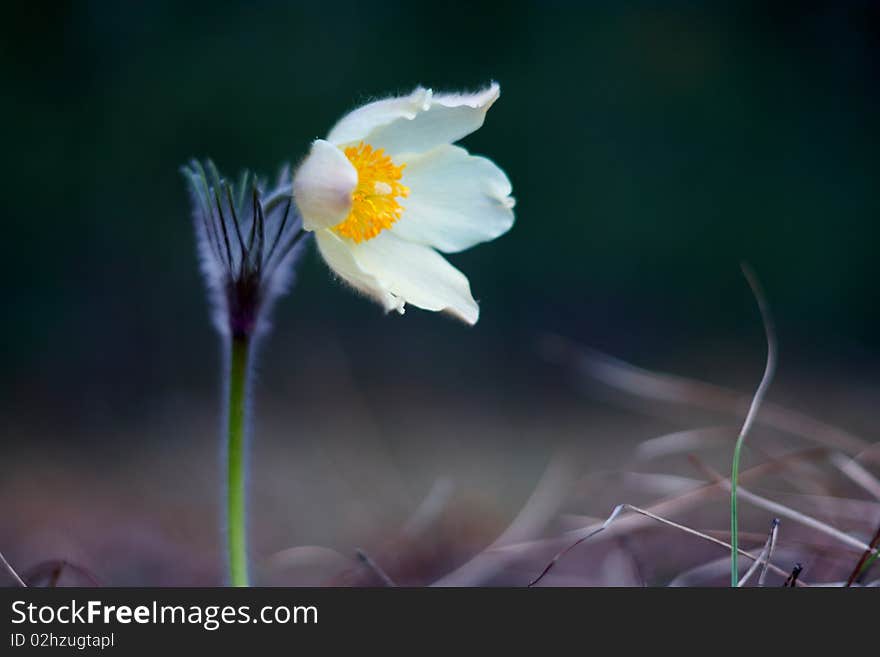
(387, 188)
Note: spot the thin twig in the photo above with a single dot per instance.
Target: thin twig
(863, 561)
(792, 580)
(372, 565)
(11, 571)
(617, 511)
(620, 508)
(760, 393)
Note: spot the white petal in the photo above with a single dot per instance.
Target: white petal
(356, 125)
(417, 123)
(455, 200)
(322, 186)
(337, 253)
(417, 274)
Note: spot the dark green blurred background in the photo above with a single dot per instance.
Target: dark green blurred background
(651, 146)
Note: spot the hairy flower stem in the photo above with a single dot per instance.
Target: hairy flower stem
(235, 466)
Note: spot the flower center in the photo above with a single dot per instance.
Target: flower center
(374, 205)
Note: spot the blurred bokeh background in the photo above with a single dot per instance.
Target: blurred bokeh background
(651, 149)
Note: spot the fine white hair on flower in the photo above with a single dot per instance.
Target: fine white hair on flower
(250, 239)
(387, 190)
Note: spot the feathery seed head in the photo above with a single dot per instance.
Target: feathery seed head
(250, 239)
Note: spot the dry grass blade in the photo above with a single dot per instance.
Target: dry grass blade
(857, 473)
(618, 510)
(683, 441)
(670, 388)
(18, 580)
(785, 511)
(864, 560)
(765, 555)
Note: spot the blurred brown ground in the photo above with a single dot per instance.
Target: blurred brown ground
(335, 468)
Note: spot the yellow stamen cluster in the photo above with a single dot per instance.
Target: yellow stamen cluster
(374, 205)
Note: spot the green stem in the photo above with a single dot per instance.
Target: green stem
(734, 520)
(235, 497)
(769, 371)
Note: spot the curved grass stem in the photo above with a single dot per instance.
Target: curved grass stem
(769, 370)
(235, 466)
